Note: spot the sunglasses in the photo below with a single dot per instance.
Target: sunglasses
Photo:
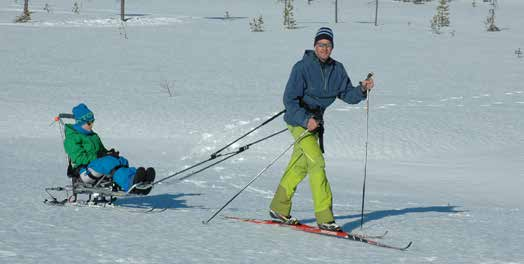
(90, 123)
(325, 45)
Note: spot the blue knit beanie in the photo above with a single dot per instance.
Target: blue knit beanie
(83, 114)
(324, 33)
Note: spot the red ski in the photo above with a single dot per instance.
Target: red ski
(316, 230)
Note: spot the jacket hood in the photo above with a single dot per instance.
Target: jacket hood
(309, 55)
(69, 129)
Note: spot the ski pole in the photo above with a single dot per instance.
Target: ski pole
(214, 156)
(217, 153)
(370, 75)
(251, 131)
(256, 177)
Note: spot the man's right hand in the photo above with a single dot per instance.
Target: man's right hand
(312, 124)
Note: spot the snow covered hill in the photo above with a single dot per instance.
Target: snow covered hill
(446, 151)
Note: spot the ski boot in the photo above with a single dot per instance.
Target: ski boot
(330, 226)
(140, 175)
(288, 220)
(150, 175)
(150, 178)
(139, 178)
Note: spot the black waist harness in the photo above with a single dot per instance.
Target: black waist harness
(317, 115)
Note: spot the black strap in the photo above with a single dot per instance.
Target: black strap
(74, 173)
(90, 175)
(317, 115)
(70, 171)
(320, 131)
(112, 172)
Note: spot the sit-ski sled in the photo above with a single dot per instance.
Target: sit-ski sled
(99, 194)
(103, 193)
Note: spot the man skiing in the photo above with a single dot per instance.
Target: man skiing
(314, 84)
(90, 160)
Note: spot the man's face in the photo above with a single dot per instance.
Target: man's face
(323, 49)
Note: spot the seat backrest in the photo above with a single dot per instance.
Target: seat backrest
(71, 173)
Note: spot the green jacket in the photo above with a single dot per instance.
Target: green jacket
(81, 148)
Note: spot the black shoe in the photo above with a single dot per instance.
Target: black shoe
(148, 179)
(330, 226)
(140, 175)
(146, 191)
(288, 220)
(150, 175)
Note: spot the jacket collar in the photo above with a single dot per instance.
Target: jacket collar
(78, 128)
(310, 56)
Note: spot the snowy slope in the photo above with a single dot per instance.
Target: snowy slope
(446, 159)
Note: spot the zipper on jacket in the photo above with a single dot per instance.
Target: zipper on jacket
(323, 76)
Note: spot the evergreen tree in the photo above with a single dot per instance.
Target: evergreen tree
(441, 19)
(76, 8)
(289, 20)
(443, 13)
(256, 24)
(490, 21)
(47, 8)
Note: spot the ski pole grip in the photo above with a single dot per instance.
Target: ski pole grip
(65, 115)
(370, 75)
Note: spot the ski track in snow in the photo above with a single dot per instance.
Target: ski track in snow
(264, 193)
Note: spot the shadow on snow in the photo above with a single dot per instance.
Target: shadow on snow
(376, 215)
(168, 201)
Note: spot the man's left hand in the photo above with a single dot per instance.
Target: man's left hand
(367, 85)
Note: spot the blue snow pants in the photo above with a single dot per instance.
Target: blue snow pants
(123, 176)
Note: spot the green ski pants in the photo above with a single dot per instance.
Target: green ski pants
(307, 158)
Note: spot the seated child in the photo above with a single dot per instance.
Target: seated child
(92, 160)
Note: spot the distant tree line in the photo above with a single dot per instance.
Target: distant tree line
(26, 14)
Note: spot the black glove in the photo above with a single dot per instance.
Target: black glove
(113, 152)
(100, 153)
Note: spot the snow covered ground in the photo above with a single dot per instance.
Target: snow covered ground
(446, 151)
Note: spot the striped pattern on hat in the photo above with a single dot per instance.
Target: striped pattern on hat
(82, 114)
(324, 33)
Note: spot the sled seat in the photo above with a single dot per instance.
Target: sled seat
(71, 173)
